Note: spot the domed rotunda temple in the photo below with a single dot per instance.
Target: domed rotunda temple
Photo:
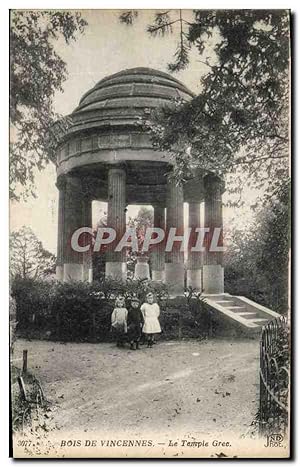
(105, 154)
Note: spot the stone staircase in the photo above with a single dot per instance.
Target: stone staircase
(236, 315)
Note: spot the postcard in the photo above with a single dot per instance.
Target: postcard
(150, 233)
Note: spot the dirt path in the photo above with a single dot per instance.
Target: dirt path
(203, 387)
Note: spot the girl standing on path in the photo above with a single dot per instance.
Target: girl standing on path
(119, 321)
(151, 312)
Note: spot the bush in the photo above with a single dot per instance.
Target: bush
(185, 317)
(79, 311)
(33, 299)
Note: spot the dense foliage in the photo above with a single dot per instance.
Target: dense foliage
(238, 123)
(256, 260)
(82, 312)
(36, 72)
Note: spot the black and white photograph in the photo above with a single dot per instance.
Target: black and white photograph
(150, 233)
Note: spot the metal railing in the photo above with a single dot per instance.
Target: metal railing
(274, 377)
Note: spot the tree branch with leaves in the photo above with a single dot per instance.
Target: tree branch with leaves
(36, 72)
(241, 116)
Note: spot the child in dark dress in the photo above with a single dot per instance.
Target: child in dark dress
(119, 321)
(134, 324)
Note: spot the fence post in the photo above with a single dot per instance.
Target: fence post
(25, 353)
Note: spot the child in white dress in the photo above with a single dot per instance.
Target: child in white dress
(119, 321)
(151, 312)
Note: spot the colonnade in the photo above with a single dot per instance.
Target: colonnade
(204, 269)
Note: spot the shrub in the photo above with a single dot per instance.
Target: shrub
(33, 302)
(79, 311)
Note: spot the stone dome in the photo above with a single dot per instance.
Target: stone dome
(105, 129)
(125, 97)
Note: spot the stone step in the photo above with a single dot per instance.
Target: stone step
(255, 320)
(246, 313)
(238, 315)
(225, 303)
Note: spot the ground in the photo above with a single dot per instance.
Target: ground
(208, 386)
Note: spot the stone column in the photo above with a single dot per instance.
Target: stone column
(60, 226)
(87, 240)
(73, 220)
(158, 251)
(213, 271)
(194, 257)
(174, 267)
(115, 266)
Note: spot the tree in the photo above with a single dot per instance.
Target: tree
(239, 123)
(256, 259)
(142, 221)
(28, 258)
(36, 73)
(273, 259)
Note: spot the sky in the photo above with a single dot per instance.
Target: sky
(105, 48)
